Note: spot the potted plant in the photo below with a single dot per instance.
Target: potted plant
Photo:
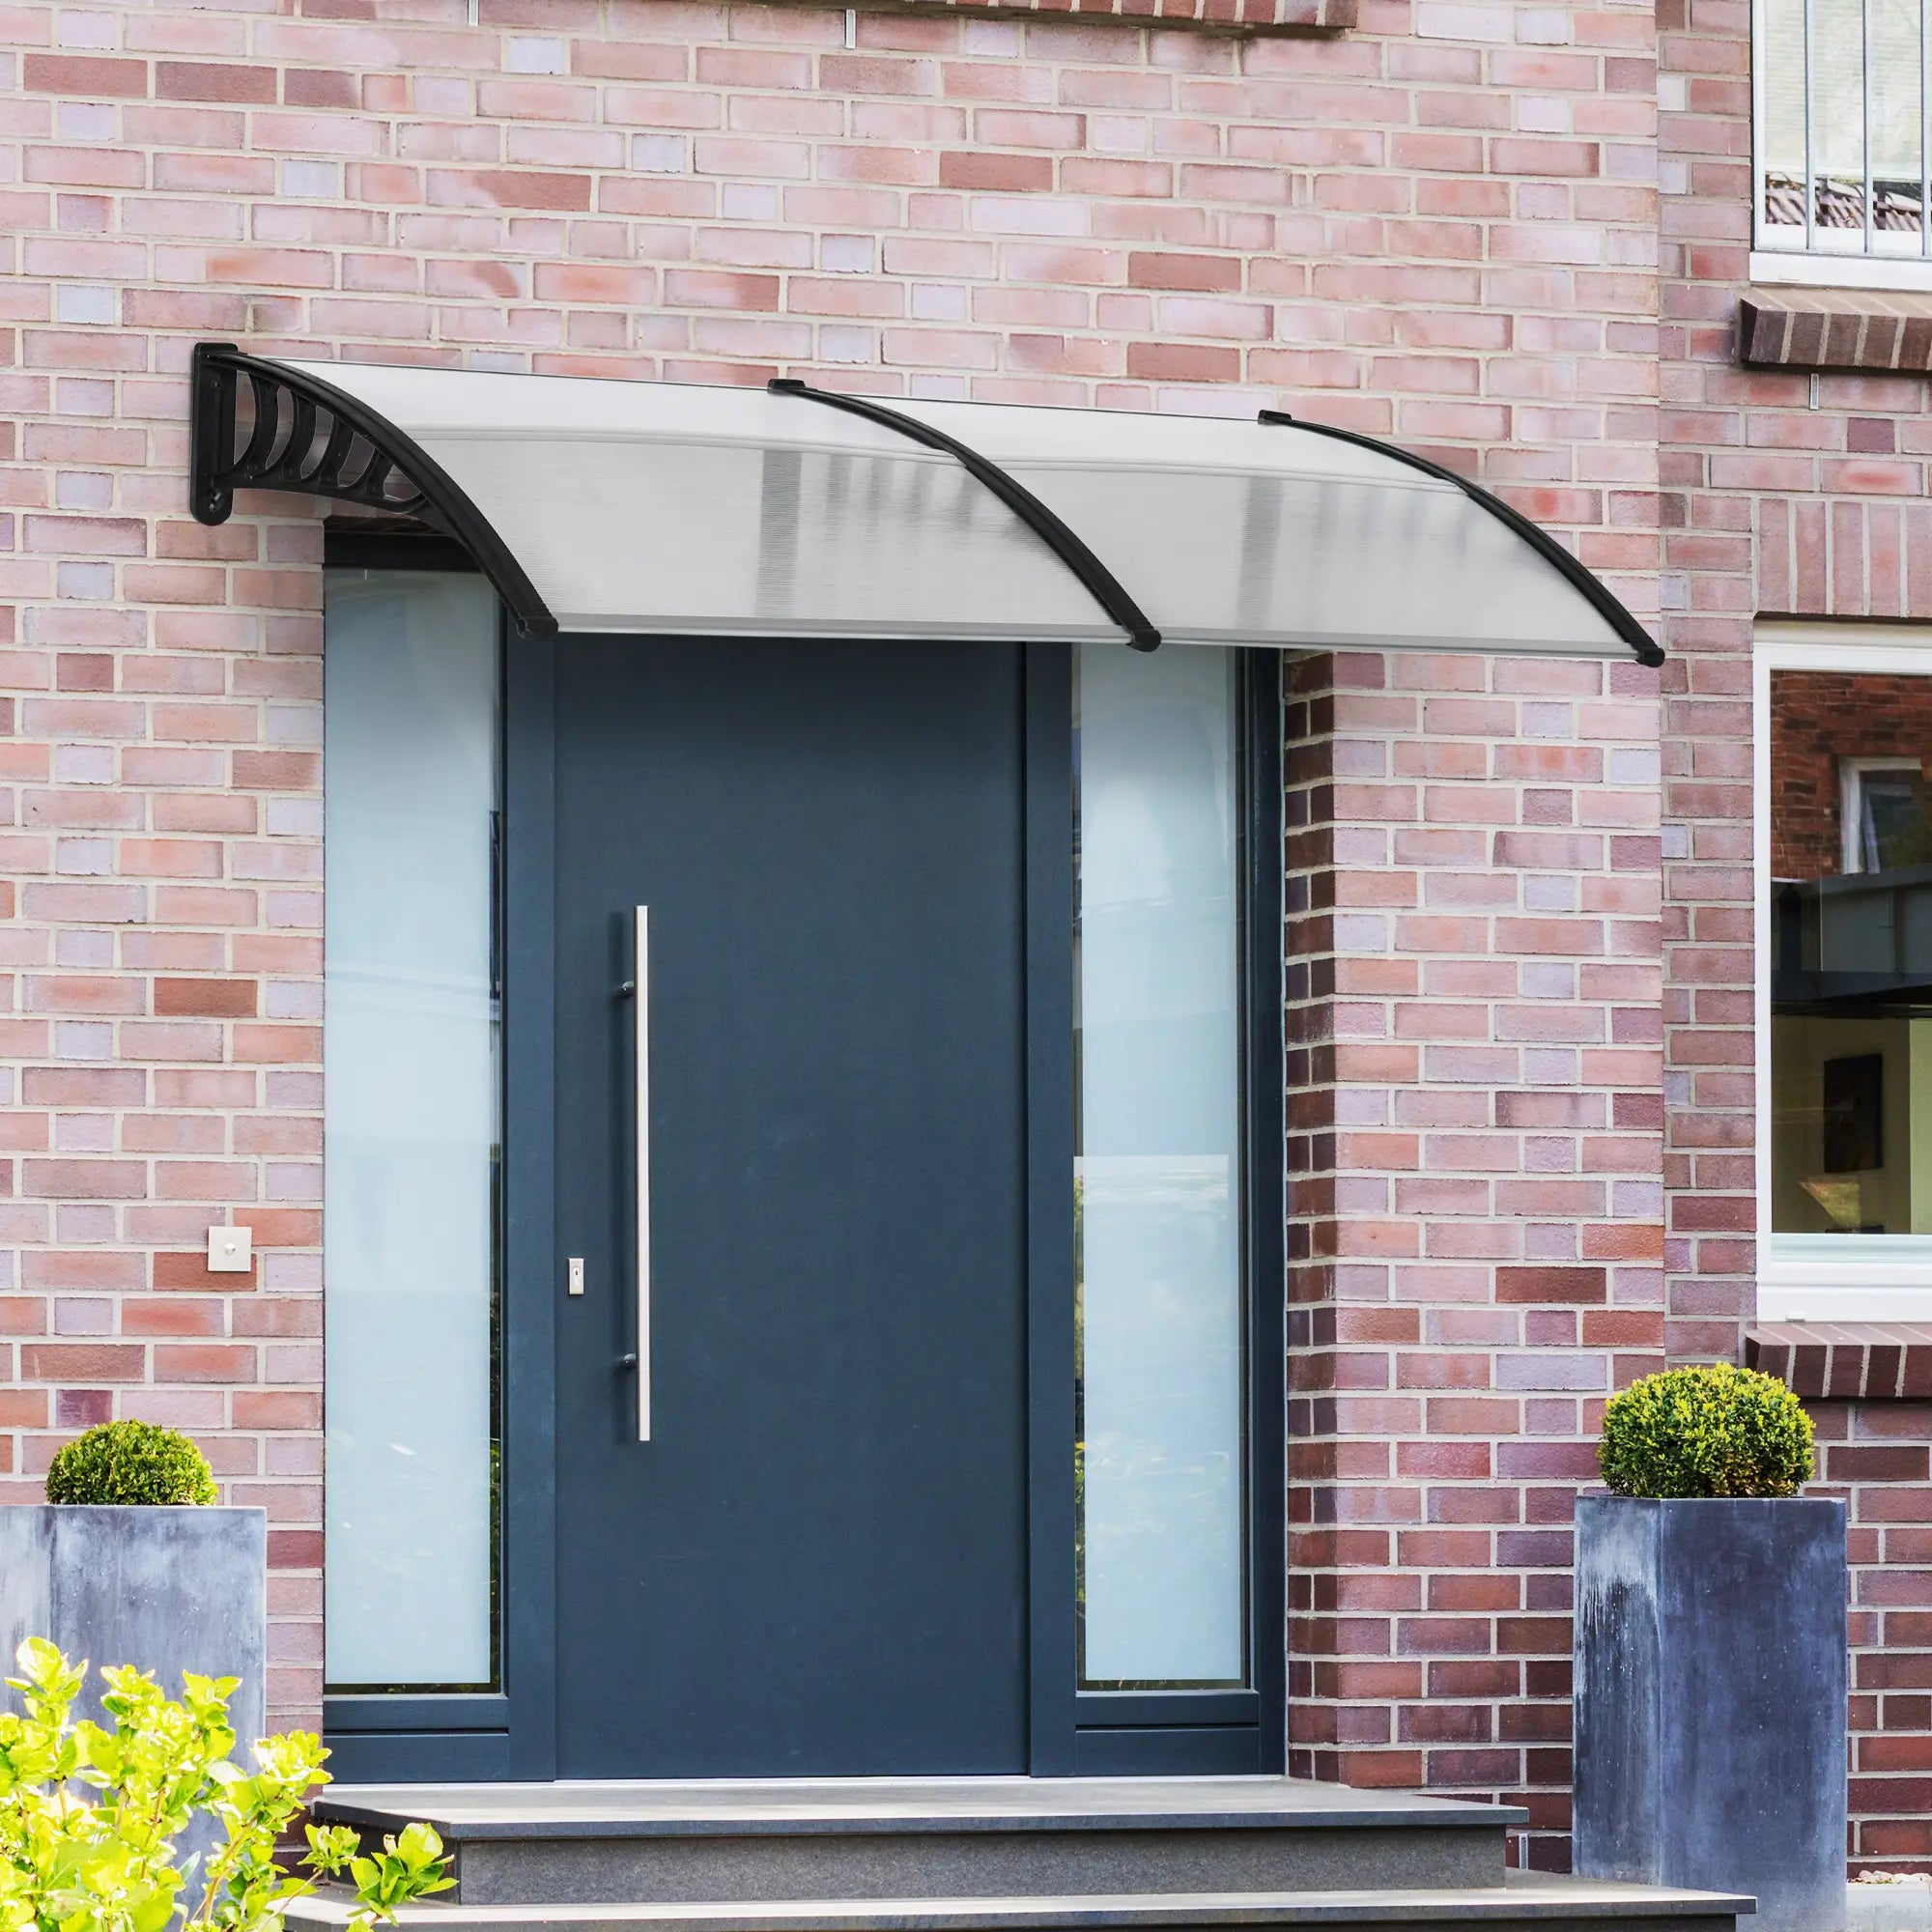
(130, 1559)
(1710, 1651)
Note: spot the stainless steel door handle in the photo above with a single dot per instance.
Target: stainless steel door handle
(640, 1014)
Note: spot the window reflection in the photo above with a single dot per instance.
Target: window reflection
(1851, 930)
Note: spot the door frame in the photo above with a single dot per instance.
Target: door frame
(1146, 1733)
(510, 1734)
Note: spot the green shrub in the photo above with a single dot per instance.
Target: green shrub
(131, 1463)
(93, 1817)
(1715, 1431)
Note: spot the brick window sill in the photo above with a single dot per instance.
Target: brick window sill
(1214, 17)
(1880, 329)
(1846, 1362)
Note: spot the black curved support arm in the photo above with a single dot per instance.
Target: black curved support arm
(1065, 543)
(1644, 647)
(359, 458)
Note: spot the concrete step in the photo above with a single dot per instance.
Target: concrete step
(1525, 1902)
(922, 1838)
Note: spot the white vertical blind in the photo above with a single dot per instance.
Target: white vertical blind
(1841, 125)
(410, 1061)
(1157, 1172)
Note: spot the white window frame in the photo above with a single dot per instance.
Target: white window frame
(1871, 257)
(1773, 268)
(1822, 1277)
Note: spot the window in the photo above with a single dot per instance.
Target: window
(1845, 977)
(1162, 1301)
(410, 1123)
(1841, 127)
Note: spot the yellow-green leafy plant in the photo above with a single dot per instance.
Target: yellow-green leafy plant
(129, 1461)
(93, 1817)
(1714, 1432)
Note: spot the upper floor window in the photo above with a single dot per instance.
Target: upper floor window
(1884, 814)
(1841, 148)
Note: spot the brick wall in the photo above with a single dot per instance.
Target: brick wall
(1778, 501)
(1475, 1158)
(1876, 1456)
(1440, 228)
(1784, 496)
(162, 937)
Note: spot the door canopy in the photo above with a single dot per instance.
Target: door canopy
(788, 511)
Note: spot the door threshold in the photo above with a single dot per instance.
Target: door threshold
(677, 1807)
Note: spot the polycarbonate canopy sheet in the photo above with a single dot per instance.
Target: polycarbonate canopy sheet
(665, 508)
(657, 507)
(1233, 533)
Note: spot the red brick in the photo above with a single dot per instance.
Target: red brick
(1001, 173)
(90, 76)
(1175, 271)
(83, 1361)
(204, 1362)
(1551, 1284)
(213, 80)
(504, 188)
(221, 998)
(1182, 362)
(79, 1180)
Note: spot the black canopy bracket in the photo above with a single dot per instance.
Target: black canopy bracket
(1101, 585)
(310, 439)
(1584, 581)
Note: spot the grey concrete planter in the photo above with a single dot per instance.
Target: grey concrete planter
(1710, 1700)
(165, 1589)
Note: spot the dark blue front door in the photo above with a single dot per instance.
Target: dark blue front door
(816, 1563)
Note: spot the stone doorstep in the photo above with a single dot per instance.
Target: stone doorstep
(751, 1807)
(1526, 1899)
(623, 1843)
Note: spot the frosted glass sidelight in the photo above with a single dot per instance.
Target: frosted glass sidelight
(1157, 1173)
(410, 1123)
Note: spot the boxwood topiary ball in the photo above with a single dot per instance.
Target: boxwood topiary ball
(1715, 1431)
(131, 1463)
